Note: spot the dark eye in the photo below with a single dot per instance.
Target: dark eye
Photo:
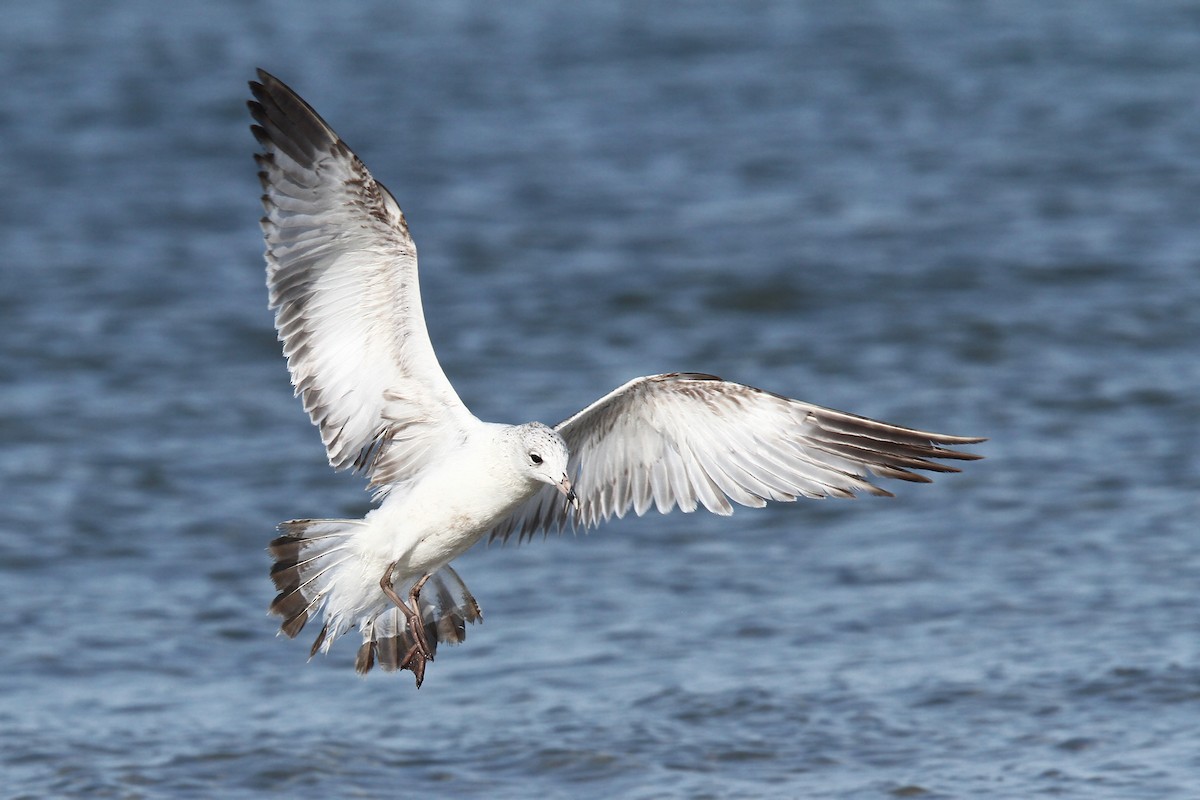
(535, 458)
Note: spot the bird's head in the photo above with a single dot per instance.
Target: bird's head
(543, 455)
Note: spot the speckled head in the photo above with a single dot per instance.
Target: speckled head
(544, 456)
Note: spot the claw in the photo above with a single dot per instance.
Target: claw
(415, 660)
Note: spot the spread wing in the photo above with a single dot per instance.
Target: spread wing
(691, 440)
(342, 274)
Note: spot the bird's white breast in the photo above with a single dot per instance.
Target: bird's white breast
(432, 520)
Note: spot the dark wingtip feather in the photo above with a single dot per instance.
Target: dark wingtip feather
(945, 438)
(260, 133)
(899, 474)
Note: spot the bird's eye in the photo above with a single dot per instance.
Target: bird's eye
(535, 458)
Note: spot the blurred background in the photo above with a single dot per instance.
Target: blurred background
(977, 218)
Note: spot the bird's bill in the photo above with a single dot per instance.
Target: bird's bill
(564, 486)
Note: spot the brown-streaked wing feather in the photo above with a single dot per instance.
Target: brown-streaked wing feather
(342, 273)
(693, 440)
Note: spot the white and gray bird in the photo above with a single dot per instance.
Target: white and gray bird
(342, 274)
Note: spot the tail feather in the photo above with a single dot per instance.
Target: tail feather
(307, 555)
(446, 606)
(317, 570)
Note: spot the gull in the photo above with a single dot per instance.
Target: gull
(342, 277)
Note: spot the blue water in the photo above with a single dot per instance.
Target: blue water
(973, 217)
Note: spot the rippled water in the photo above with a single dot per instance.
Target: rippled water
(977, 218)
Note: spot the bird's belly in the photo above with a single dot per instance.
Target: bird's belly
(423, 533)
(443, 544)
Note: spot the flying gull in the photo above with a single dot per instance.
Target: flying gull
(342, 274)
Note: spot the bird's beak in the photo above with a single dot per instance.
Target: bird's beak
(564, 486)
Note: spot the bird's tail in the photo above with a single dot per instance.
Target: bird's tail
(313, 556)
(310, 557)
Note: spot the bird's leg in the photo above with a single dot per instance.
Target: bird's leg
(419, 653)
(415, 592)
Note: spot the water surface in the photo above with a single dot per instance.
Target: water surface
(976, 218)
